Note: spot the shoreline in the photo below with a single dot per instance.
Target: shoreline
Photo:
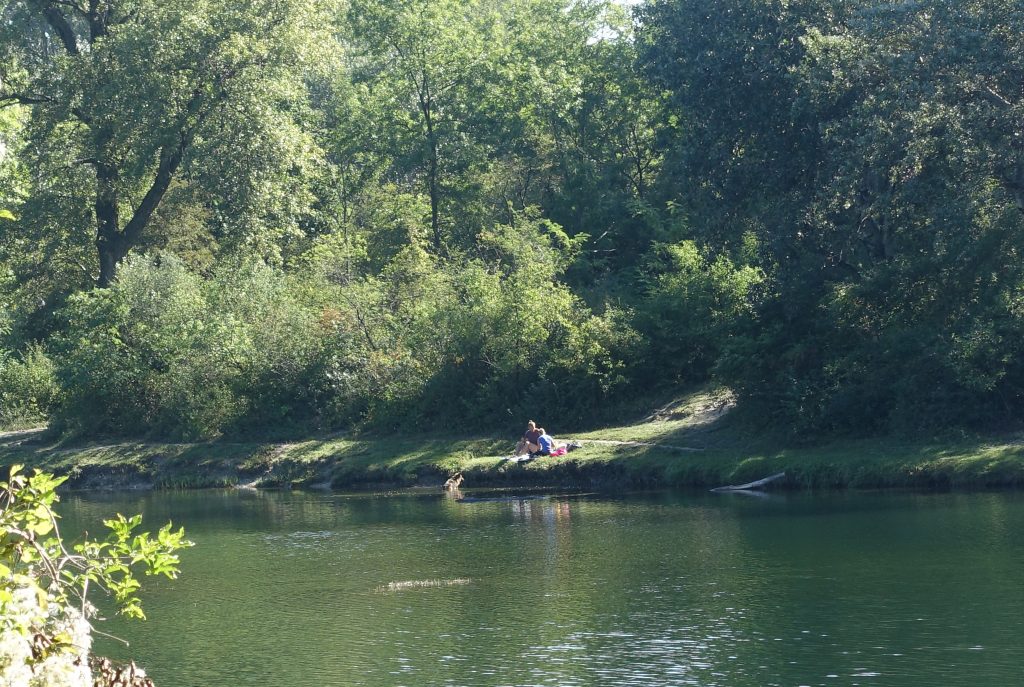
(340, 464)
(690, 442)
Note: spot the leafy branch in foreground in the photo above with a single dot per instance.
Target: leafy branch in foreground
(44, 586)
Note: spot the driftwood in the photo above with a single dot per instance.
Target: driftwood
(751, 485)
(421, 584)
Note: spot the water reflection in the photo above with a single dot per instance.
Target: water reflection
(547, 511)
(658, 589)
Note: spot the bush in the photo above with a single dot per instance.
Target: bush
(279, 384)
(691, 304)
(166, 353)
(148, 355)
(876, 357)
(28, 388)
(428, 343)
(45, 635)
(251, 350)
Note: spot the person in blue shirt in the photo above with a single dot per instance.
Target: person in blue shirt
(545, 444)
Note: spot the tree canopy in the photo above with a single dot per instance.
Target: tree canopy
(132, 103)
(289, 216)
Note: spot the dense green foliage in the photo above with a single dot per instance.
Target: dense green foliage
(869, 148)
(316, 215)
(252, 349)
(28, 388)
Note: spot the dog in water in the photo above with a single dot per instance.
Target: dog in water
(454, 482)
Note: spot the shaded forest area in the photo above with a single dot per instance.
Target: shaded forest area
(280, 217)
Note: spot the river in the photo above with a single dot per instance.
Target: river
(286, 589)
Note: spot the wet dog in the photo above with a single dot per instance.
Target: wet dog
(454, 482)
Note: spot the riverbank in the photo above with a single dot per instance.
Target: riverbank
(688, 442)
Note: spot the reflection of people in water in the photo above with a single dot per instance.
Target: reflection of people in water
(528, 442)
(562, 511)
(541, 510)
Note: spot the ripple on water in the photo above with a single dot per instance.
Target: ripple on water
(655, 590)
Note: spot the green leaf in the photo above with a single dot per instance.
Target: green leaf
(41, 527)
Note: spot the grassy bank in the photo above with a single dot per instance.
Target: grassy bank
(688, 442)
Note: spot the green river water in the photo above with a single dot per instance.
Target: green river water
(289, 589)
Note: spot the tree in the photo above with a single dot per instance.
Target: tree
(465, 97)
(421, 58)
(918, 209)
(608, 140)
(127, 95)
(742, 154)
(873, 150)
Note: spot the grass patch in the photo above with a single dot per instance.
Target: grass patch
(688, 441)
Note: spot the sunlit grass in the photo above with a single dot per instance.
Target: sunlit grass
(688, 441)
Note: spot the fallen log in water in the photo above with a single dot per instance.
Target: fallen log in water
(751, 485)
(421, 584)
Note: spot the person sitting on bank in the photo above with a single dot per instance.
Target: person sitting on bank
(528, 442)
(545, 444)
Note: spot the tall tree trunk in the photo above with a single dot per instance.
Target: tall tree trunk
(426, 107)
(1015, 184)
(111, 251)
(435, 223)
(109, 241)
(112, 243)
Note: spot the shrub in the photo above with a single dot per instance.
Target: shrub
(691, 304)
(167, 353)
(149, 355)
(45, 635)
(28, 388)
(426, 341)
(251, 350)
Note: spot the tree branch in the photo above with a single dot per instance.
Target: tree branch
(72, 6)
(992, 94)
(60, 24)
(22, 99)
(97, 20)
(171, 156)
(7, 99)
